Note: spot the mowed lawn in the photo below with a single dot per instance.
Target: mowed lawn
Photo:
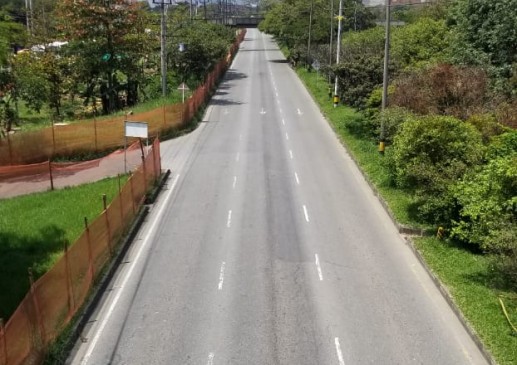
(34, 229)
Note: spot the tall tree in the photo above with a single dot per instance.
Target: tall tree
(109, 39)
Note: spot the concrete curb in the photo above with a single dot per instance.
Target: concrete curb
(102, 282)
(411, 231)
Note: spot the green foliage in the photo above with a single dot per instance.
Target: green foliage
(289, 20)
(420, 44)
(485, 34)
(486, 27)
(10, 33)
(428, 155)
(204, 45)
(488, 200)
(487, 125)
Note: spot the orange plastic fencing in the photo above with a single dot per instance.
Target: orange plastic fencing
(56, 296)
(106, 133)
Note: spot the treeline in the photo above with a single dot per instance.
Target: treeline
(80, 58)
(450, 125)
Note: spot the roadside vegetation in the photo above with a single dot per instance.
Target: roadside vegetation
(450, 163)
(89, 59)
(35, 228)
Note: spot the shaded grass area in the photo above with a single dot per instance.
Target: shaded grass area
(470, 277)
(475, 287)
(34, 229)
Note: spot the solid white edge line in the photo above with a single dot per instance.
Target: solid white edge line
(305, 212)
(229, 221)
(210, 358)
(297, 179)
(221, 276)
(339, 353)
(115, 300)
(318, 267)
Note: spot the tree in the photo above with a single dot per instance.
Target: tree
(485, 34)
(109, 40)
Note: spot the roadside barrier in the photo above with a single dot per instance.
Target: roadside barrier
(103, 134)
(56, 296)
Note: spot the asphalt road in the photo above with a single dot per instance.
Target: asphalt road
(268, 247)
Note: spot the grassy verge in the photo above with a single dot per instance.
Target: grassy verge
(34, 229)
(468, 276)
(475, 289)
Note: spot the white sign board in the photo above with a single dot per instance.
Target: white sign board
(135, 129)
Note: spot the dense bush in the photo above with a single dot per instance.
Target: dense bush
(428, 155)
(488, 203)
(443, 89)
(420, 44)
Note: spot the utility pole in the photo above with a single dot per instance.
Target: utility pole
(385, 75)
(162, 50)
(309, 41)
(340, 18)
(331, 35)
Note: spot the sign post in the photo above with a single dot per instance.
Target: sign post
(183, 87)
(134, 129)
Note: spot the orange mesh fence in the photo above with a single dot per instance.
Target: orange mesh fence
(56, 296)
(106, 133)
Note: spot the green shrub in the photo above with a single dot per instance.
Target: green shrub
(487, 125)
(429, 154)
(488, 200)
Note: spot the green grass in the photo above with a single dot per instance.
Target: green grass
(469, 277)
(34, 229)
(474, 287)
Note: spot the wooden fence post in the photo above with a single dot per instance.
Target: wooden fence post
(90, 252)
(50, 174)
(105, 205)
(69, 286)
(4, 340)
(10, 150)
(121, 202)
(36, 307)
(132, 193)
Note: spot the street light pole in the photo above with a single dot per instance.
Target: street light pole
(385, 75)
(338, 50)
(331, 35)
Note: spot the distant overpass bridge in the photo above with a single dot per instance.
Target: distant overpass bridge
(240, 21)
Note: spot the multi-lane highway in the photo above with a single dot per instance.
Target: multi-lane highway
(267, 247)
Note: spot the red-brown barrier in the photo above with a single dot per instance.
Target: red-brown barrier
(104, 134)
(56, 296)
